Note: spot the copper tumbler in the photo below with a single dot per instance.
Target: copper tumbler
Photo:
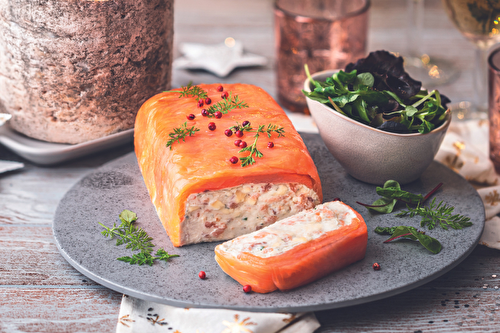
(324, 34)
(494, 106)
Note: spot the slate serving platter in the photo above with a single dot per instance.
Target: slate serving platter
(118, 185)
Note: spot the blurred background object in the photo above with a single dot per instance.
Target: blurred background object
(478, 21)
(74, 71)
(324, 34)
(494, 107)
(220, 59)
(432, 71)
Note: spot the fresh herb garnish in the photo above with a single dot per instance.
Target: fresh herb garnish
(381, 96)
(227, 104)
(441, 214)
(136, 239)
(262, 129)
(180, 133)
(403, 232)
(192, 91)
(240, 127)
(391, 193)
(142, 257)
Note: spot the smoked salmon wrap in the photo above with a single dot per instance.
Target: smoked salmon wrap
(297, 250)
(222, 161)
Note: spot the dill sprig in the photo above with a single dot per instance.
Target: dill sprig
(226, 105)
(180, 133)
(441, 214)
(142, 258)
(192, 91)
(136, 239)
(249, 160)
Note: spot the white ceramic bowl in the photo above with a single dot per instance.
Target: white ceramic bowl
(369, 154)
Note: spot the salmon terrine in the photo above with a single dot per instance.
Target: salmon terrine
(296, 250)
(220, 162)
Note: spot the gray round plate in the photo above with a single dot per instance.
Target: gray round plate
(118, 185)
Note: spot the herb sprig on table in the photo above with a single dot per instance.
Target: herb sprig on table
(136, 239)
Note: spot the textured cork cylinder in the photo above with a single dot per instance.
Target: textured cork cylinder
(77, 70)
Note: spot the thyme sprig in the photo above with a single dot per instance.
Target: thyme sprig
(180, 133)
(273, 128)
(239, 127)
(441, 214)
(226, 105)
(136, 239)
(192, 91)
(249, 160)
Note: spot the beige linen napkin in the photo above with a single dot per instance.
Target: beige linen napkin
(140, 316)
(465, 149)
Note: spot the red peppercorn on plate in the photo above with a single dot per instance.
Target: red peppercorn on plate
(296, 250)
(205, 186)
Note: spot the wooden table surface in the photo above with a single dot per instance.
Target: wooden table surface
(41, 292)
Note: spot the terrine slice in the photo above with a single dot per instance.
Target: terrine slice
(297, 250)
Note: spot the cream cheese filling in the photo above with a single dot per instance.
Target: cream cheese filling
(228, 213)
(292, 231)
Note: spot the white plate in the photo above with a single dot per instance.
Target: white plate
(48, 153)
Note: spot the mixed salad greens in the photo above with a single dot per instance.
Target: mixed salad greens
(378, 92)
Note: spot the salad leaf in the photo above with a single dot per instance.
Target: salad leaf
(388, 72)
(403, 232)
(376, 91)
